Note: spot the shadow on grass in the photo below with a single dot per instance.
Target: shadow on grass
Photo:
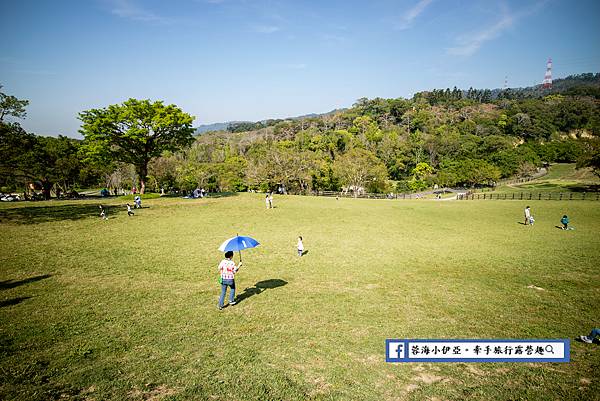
(583, 188)
(304, 252)
(260, 287)
(221, 195)
(5, 285)
(13, 301)
(45, 214)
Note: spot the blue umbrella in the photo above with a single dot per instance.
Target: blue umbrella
(238, 243)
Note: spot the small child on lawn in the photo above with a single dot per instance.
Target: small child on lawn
(531, 220)
(103, 213)
(565, 222)
(300, 246)
(129, 211)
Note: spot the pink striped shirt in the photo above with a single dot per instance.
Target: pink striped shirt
(227, 269)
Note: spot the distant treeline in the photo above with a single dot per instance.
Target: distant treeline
(449, 137)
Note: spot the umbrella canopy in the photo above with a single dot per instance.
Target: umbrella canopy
(238, 243)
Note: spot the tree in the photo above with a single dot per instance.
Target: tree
(27, 157)
(360, 168)
(135, 132)
(11, 106)
(591, 156)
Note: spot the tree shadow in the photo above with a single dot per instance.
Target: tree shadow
(260, 287)
(13, 301)
(220, 195)
(5, 285)
(583, 188)
(50, 213)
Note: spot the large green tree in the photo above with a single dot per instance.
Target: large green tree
(135, 132)
(360, 168)
(27, 158)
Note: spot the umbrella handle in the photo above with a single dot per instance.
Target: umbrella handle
(240, 252)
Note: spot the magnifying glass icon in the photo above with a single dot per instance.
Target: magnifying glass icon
(549, 349)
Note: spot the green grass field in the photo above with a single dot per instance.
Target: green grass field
(562, 177)
(127, 308)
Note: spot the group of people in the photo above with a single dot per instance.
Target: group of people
(529, 220)
(137, 204)
(228, 269)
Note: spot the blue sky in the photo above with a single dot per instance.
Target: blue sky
(223, 60)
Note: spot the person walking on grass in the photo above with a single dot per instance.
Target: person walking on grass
(271, 200)
(267, 202)
(103, 213)
(527, 215)
(300, 246)
(227, 271)
(129, 211)
(565, 222)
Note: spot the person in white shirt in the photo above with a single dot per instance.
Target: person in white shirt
(300, 246)
(527, 215)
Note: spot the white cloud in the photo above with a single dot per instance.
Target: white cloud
(130, 10)
(265, 28)
(299, 66)
(407, 19)
(469, 44)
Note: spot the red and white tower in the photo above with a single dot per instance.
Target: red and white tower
(547, 82)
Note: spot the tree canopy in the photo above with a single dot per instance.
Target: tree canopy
(135, 132)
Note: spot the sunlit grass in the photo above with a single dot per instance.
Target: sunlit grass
(126, 308)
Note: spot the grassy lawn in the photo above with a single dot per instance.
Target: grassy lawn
(127, 308)
(562, 177)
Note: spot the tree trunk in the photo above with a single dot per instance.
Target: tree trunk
(46, 188)
(143, 174)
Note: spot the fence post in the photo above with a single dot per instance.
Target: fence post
(560, 197)
(483, 196)
(540, 196)
(570, 195)
(583, 197)
(521, 195)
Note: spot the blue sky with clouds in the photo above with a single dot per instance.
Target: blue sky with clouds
(223, 60)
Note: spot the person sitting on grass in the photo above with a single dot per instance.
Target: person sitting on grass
(227, 270)
(593, 337)
(565, 222)
(129, 211)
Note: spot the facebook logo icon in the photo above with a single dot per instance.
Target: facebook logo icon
(395, 350)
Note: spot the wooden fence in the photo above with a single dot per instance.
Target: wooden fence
(531, 196)
(363, 195)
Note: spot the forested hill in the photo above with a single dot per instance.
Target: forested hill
(449, 137)
(587, 84)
